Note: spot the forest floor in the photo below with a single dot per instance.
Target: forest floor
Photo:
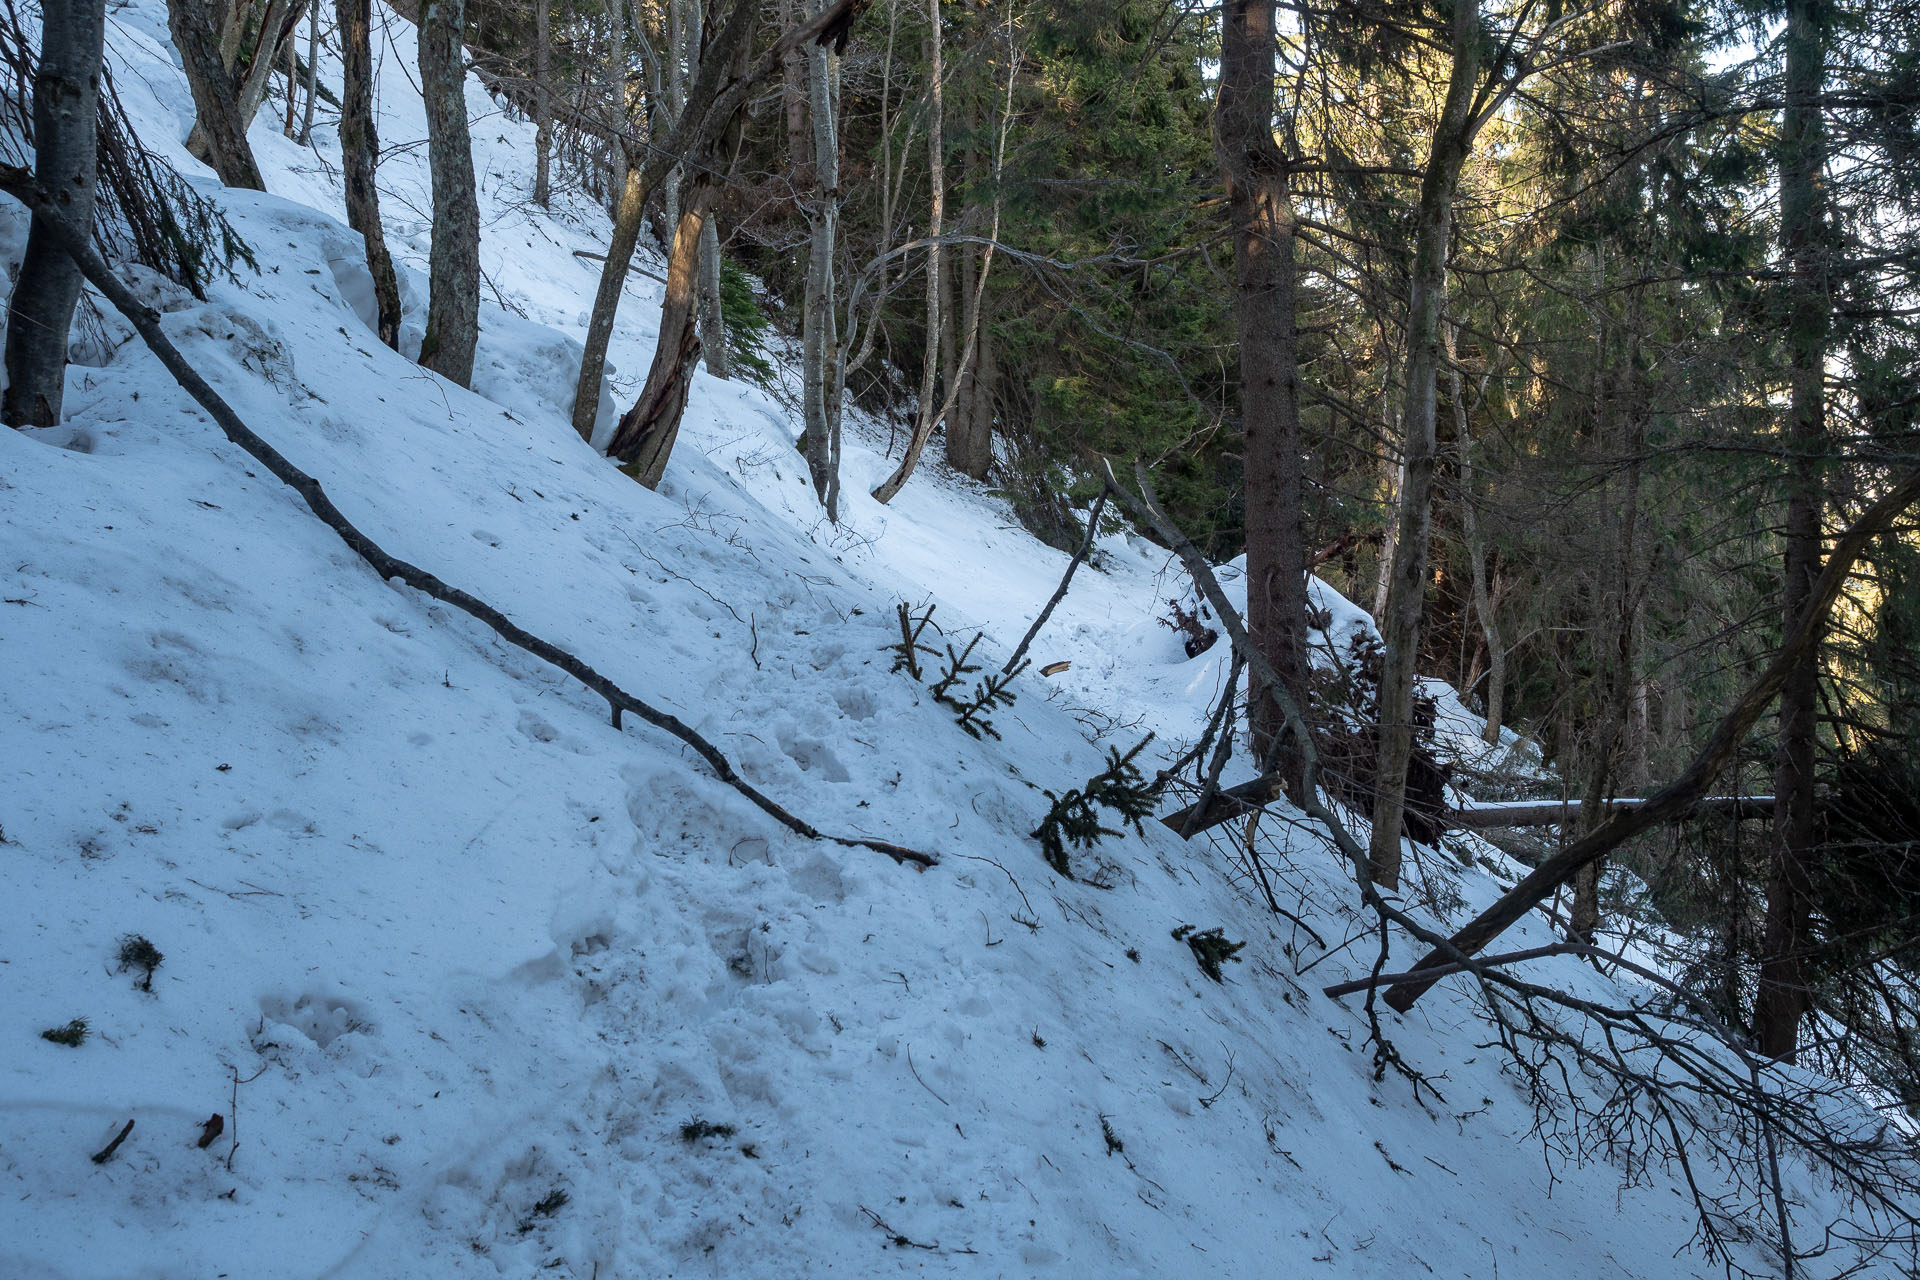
(480, 985)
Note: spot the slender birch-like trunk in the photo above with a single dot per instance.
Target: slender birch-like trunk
(1406, 593)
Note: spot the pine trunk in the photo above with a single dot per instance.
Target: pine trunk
(66, 112)
(453, 263)
(819, 342)
(542, 106)
(311, 84)
(926, 418)
(713, 321)
(1260, 207)
(606, 302)
(359, 154)
(1783, 997)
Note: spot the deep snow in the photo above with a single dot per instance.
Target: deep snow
(454, 944)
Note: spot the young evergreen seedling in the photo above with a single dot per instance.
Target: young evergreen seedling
(957, 666)
(1074, 819)
(70, 1035)
(987, 694)
(139, 954)
(907, 650)
(1210, 949)
(697, 1129)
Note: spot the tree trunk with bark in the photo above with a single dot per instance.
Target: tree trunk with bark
(820, 353)
(645, 438)
(1406, 594)
(66, 113)
(713, 320)
(926, 418)
(542, 103)
(1260, 207)
(218, 124)
(453, 262)
(1783, 996)
(311, 87)
(359, 154)
(970, 425)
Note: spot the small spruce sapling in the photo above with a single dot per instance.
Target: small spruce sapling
(972, 714)
(697, 1129)
(71, 1035)
(1210, 948)
(907, 650)
(1074, 818)
(137, 953)
(957, 666)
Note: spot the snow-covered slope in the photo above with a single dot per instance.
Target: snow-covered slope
(490, 987)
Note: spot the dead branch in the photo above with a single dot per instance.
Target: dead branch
(106, 1153)
(1060, 592)
(19, 183)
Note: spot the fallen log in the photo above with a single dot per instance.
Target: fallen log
(1558, 813)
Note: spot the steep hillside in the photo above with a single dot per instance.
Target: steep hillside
(481, 985)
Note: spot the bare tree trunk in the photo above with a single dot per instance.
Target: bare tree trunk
(707, 135)
(606, 301)
(293, 89)
(1391, 470)
(926, 418)
(311, 87)
(820, 343)
(970, 425)
(613, 89)
(1783, 997)
(793, 98)
(1483, 605)
(1400, 625)
(713, 321)
(647, 432)
(628, 220)
(453, 263)
(543, 107)
(276, 30)
(1260, 207)
(217, 120)
(244, 68)
(359, 152)
(66, 112)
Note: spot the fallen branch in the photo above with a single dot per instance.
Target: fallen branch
(1339, 989)
(1557, 813)
(1060, 592)
(1691, 785)
(106, 1153)
(633, 268)
(19, 183)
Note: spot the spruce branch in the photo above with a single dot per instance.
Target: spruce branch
(1074, 818)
